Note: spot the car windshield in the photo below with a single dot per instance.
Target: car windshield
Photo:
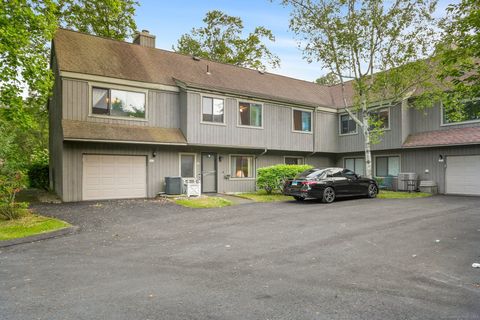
(311, 174)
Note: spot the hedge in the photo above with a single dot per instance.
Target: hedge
(272, 178)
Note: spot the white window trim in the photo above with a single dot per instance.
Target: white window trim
(296, 157)
(389, 117)
(254, 165)
(180, 154)
(340, 126)
(238, 114)
(385, 155)
(442, 111)
(103, 85)
(311, 121)
(212, 96)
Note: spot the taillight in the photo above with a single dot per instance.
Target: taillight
(306, 186)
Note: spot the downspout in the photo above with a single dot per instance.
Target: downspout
(314, 121)
(261, 154)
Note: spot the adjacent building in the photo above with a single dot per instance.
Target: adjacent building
(123, 116)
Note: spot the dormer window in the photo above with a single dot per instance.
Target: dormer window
(118, 103)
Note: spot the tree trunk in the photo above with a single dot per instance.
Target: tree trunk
(368, 147)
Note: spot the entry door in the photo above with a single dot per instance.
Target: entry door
(209, 172)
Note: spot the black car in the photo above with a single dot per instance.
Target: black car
(328, 184)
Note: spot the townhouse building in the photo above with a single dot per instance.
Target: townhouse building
(123, 116)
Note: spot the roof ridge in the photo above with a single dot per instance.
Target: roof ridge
(191, 56)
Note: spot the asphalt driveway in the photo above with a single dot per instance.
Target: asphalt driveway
(356, 259)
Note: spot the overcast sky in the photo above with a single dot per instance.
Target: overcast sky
(168, 20)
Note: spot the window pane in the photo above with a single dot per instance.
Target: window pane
(293, 160)
(99, 101)
(306, 121)
(207, 109)
(380, 116)
(382, 166)
(467, 112)
(242, 167)
(255, 115)
(347, 124)
(393, 166)
(360, 166)
(218, 110)
(244, 109)
(350, 164)
(127, 104)
(297, 120)
(187, 163)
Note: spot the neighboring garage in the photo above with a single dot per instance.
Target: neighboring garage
(114, 177)
(463, 175)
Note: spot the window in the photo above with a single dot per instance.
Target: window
(302, 121)
(347, 124)
(242, 167)
(294, 160)
(470, 111)
(250, 114)
(212, 110)
(118, 103)
(357, 165)
(387, 166)
(187, 165)
(380, 118)
(349, 174)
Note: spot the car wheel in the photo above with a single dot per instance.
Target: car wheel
(328, 195)
(299, 198)
(372, 191)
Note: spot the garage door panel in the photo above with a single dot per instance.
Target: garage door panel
(114, 177)
(463, 175)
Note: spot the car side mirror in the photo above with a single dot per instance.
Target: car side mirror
(358, 176)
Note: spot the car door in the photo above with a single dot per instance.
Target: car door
(354, 184)
(340, 183)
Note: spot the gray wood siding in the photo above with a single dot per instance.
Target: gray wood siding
(420, 160)
(55, 134)
(166, 163)
(183, 112)
(163, 108)
(326, 132)
(391, 138)
(430, 120)
(276, 134)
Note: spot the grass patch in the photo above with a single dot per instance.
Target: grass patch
(385, 194)
(28, 225)
(204, 202)
(262, 196)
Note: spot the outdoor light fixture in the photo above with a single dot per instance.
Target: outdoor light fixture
(154, 154)
(440, 158)
(220, 158)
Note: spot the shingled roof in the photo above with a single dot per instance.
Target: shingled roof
(87, 54)
(96, 131)
(443, 137)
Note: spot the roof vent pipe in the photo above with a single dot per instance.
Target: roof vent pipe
(208, 70)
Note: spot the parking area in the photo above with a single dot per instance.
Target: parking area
(353, 259)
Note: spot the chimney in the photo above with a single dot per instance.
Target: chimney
(145, 39)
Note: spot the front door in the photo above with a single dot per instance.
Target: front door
(209, 172)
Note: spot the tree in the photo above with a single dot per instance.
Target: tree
(221, 40)
(378, 48)
(458, 55)
(26, 29)
(108, 18)
(329, 79)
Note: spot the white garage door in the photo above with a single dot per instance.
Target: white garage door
(114, 177)
(463, 175)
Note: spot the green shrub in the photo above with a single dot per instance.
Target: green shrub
(38, 176)
(272, 178)
(11, 182)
